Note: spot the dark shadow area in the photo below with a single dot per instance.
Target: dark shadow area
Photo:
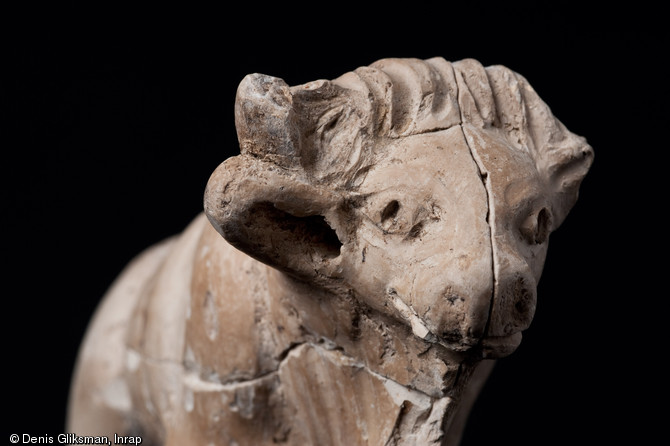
(110, 134)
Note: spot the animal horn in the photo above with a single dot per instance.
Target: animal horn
(264, 119)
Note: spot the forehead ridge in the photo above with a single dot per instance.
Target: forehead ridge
(426, 164)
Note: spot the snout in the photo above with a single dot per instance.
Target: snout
(512, 309)
(488, 314)
(511, 312)
(514, 302)
(460, 322)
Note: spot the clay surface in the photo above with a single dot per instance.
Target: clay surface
(358, 267)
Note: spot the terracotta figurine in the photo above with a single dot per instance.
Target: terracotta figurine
(375, 245)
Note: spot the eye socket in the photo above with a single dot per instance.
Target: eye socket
(415, 232)
(394, 219)
(536, 227)
(390, 211)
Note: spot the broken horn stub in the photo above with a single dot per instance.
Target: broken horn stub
(264, 119)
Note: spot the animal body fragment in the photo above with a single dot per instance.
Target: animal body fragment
(378, 240)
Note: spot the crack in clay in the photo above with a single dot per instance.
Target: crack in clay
(398, 392)
(193, 374)
(231, 383)
(428, 130)
(193, 381)
(490, 219)
(134, 358)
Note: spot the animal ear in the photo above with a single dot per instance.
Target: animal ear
(262, 202)
(273, 215)
(562, 157)
(564, 168)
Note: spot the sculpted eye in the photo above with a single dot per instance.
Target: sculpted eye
(390, 211)
(536, 227)
(389, 214)
(415, 232)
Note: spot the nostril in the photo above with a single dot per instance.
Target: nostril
(536, 227)
(522, 295)
(514, 304)
(523, 309)
(521, 306)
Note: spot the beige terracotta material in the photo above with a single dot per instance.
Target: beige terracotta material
(375, 245)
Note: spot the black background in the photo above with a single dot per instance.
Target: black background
(113, 119)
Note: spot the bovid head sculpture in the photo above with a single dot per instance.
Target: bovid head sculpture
(391, 227)
(427, 190)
